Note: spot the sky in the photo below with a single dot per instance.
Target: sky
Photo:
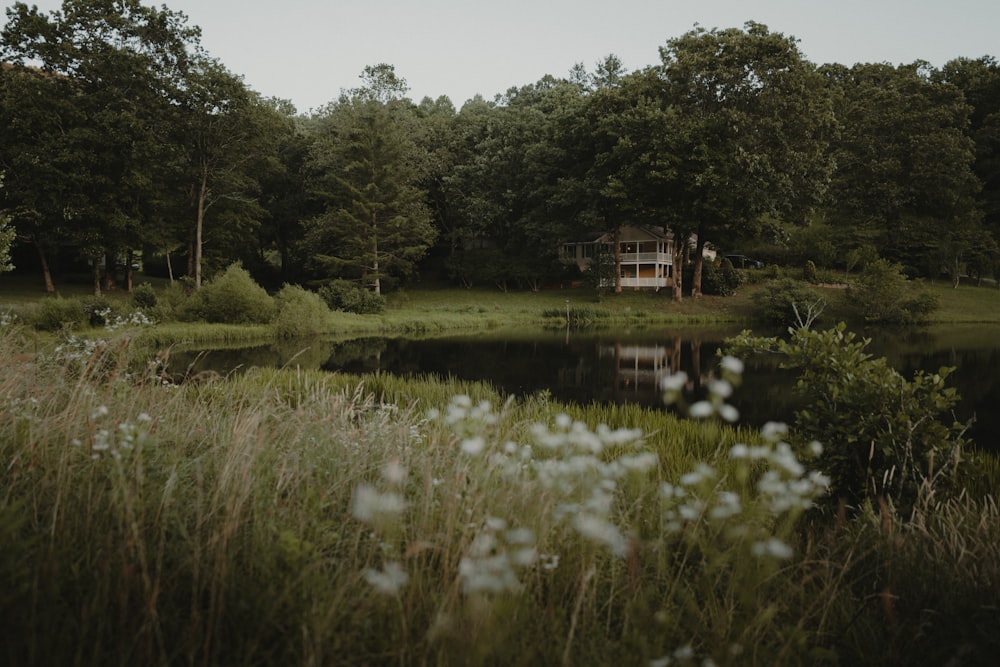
(307, 51)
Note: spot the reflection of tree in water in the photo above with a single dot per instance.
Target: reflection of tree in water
(359, 355)
(585, 368)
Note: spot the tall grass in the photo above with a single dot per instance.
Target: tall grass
(301, 518)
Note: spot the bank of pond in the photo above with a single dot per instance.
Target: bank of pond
(625, 366)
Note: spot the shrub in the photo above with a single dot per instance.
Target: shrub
(786, 301)
(350, 297)
(810, 274)
(720, 278)
(299, 313)
(144, 296)
(880, 432)
(231, 298)
(883, 295)
(58, 313)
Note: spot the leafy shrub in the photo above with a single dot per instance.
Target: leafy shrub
(883, 295)
(100, 310)
(350, 297)
(231, 298)
(58, 313)
(300, 313)
(880, 432)
(720, 278)
(144, 296)
(810, 274)
(786, 301)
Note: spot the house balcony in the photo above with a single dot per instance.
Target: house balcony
(647, 258)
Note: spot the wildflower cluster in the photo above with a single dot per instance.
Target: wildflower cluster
(382, 509)
(7, 318)
(136, 318)
(491, 562)
(117, 441)
(719, 391)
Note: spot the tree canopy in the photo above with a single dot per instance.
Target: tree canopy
(122, 135)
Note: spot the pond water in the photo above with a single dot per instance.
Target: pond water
(626, 366)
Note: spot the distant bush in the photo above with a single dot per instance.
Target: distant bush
(231, 298)
(56, 313)
(299, 313)
(350, 297)
(883, 295)
(144, 296)
(720, 278)
(785, 301)
(810, 273)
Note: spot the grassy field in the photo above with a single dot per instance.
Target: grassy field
(285, 517)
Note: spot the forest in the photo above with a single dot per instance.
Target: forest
(126, 144)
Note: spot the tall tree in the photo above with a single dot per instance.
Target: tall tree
(904, 174)
(366, 167)
(118, 66)
(753, 124)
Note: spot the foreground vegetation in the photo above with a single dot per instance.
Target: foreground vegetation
(285, 517)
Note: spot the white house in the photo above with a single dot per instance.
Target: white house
(647, 255)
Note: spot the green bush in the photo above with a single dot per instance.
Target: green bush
(880, 433)
(883, 295)
(231, 298)
(721, 278)
(810, 273)
(56, 313)
(144, 296)
(299, 313)
(350, 297)
(786, 301)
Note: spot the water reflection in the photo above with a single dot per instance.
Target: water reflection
(627, 366)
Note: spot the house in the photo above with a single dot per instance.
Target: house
(647, 256)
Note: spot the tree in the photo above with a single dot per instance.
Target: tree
(904, 179)
(225, 139)
(7, 235)
(753, 125)
(979, 81)
(365, 170)
(113, 69)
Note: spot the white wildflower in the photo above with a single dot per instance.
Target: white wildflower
(732, 365)
(369, 504)
(700, 410)
(389, 580)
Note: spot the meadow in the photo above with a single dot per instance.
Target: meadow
(300, 518)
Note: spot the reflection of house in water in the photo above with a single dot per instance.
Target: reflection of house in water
(638, 369)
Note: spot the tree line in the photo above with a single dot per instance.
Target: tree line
(124, 139)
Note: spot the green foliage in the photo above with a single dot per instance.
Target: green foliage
(883, 295)
(57, 313)
(350, 297)
(786, 301)
(881, 434)
(231, 298)
(720, 278)
(300, 313)
(810, 273)
(144, 296)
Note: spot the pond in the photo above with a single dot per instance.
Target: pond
(626, 366)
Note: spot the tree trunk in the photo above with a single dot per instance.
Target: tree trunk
(96, 275)
(170, 268)
(202, 198)
(699, 262)
(50, 287)
(677, 292)
(375, 266)
(110, 282)
(128, 272)
(618, 260)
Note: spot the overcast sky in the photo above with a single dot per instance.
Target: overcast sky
(306, 51)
